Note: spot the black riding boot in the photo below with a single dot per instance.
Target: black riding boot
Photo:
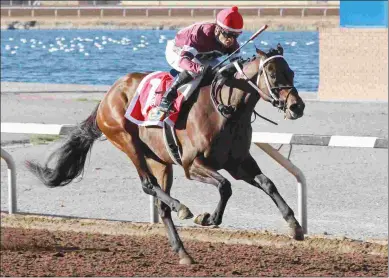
(171, 94)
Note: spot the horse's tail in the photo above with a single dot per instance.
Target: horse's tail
(70, 156)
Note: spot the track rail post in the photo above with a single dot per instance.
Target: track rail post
(154, 217)
(301, 182)
(12, 207)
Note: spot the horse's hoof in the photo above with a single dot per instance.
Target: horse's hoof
(184, 213)
(201, 219)
(297, 233)
(187, 261)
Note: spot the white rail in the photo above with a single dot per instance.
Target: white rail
(12, 207)
(261, 139)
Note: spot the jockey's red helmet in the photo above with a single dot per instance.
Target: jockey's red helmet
(230, 20)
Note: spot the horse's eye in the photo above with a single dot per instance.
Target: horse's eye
(273, 75)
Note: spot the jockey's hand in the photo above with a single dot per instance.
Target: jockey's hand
(206, 70)
(228, 71)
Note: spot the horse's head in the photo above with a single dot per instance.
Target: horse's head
(275, 80)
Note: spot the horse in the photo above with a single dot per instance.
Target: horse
(213, 131)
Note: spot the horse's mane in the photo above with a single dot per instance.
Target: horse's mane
(272, 52)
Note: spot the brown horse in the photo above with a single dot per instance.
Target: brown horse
(213, 130)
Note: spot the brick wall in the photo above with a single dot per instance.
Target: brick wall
(353, 64)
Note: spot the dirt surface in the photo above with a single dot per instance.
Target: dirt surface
(54, 246)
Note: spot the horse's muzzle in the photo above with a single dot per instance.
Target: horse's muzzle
(295, 110)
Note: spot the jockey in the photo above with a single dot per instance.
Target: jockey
(196, 48)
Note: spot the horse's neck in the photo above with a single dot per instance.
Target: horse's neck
(205, 111)
(234, 94)
(250, 69)
(204, 123)
(203, 116)
(240, 94)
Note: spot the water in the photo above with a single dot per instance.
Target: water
(99, 57)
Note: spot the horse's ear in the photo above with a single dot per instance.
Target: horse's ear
(260, 52)
(280, 49)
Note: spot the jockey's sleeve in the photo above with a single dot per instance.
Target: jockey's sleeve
(185, 62)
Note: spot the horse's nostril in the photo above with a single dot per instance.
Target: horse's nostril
(297, 108)
(294, 107)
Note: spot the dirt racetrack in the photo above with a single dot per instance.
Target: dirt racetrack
(53, 246)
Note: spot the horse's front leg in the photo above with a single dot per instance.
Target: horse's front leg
(249, 171)
(199, 171)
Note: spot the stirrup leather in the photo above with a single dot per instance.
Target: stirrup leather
(167, 101)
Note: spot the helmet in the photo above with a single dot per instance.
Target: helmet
(230, 20)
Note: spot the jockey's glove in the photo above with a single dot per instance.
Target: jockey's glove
(206, 70)
(228, 71)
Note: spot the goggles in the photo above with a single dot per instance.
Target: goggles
(230, 35)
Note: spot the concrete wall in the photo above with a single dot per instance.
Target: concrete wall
(353, 64)
(232, 3)
(194, 3)
(120, 12)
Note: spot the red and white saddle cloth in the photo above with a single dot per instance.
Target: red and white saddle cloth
(143, 107)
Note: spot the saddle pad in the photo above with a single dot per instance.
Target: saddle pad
(142, 109)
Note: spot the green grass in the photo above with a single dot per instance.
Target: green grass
(41, 139)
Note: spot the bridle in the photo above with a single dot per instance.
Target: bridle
(274, 92)
(272, 97)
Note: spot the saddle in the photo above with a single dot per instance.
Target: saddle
(143, 108)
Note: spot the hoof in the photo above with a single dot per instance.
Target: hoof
(187, 261)
(297, 233)
(184, 213)
(201, 219)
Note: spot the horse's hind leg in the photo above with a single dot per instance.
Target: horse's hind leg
(201, 172)
(249, 171)
(132, 146)
(164, 175)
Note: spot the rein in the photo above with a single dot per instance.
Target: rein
(216, 87)
(227, 110)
